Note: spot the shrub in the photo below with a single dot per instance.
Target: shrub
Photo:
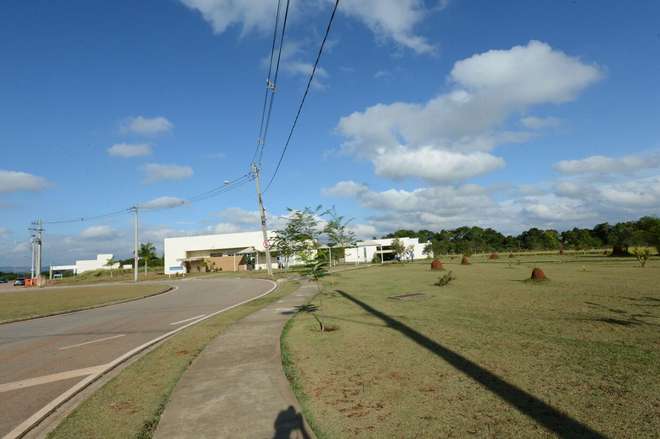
(493, 255)
(642, 255)
(444, 280)
(465, 261)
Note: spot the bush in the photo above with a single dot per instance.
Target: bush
(642, 255)
(444, 280)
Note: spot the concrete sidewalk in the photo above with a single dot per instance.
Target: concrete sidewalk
(236, 387)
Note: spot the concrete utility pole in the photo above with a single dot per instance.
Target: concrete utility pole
(262, 213)
(135, 243)
(37, 228)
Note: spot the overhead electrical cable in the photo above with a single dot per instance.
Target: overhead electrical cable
(302, 101)
(273, 85)
(268, 82)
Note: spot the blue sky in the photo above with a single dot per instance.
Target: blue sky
(426, 114)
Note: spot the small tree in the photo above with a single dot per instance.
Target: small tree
(111, 263)
(300, 235)
(398, 248)
(337, 233)
(410, 253)
(317, 268)
(147, 252)
(642, 255)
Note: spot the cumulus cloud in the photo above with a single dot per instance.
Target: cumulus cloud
(433, 164)
(154, 172)
(393, 20)
(236, 219)
(486, 91)
(163, 203)
(127, 150)
(564, 205)
(146, 126)
(99, 233)
(599, 164)
(15, 181)
(538, 123)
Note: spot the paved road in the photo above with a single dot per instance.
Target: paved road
(40, 359)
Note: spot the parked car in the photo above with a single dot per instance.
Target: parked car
(3, 281)
(19, 282)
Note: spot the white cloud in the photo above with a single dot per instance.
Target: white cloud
(128, 150)
(237, 219)
(163, 203)
(99, 233)
(393, 20)
(4, 232)
(599, 164)
(225, 228)
(15, 181)
(487, 90)
(147, 126)
(156, 172)
(538, 123)
(435, 165)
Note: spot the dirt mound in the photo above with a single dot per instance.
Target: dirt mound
(465, 261)
(538, 274)
(436, 264)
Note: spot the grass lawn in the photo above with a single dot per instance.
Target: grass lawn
(130, 405)
(25, 303)
(489, 355)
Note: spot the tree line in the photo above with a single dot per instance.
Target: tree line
(619, 237)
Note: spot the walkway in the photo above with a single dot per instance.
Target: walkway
(236, 387)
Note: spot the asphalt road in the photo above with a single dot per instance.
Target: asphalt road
(42, 358)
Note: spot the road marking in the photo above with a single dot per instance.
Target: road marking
(187, 320)
(98, 340)
(7, 387)
(40, 415)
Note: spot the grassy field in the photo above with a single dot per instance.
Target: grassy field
(26, 303)
(130, 405)
(489, 355)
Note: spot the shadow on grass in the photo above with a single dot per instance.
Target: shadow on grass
(549, 417)
(287, 422)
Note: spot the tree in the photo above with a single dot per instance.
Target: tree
(299, 236)
(316, 268)
(111, 263)
(337, 232)
(398, 248)
(147, 252)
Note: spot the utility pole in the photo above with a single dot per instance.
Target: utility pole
(262, 213)
(37, 229)
(135, 243)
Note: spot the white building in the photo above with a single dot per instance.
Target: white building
(365, 251)
(83, 265)
(219, 252)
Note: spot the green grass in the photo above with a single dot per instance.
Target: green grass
(586, 342)
(27, 303)
(130, 405)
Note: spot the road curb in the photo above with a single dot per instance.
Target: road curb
(27, 425)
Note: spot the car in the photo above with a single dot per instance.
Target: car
(19, 282)
(3, 281)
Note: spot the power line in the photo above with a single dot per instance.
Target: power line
(274, 84)
(268, 82)
(302, 101)
(88, 218)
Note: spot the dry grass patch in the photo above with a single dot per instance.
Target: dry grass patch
(28, 303)
(489, 355)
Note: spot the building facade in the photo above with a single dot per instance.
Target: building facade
(217, 252)
(376, 250)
